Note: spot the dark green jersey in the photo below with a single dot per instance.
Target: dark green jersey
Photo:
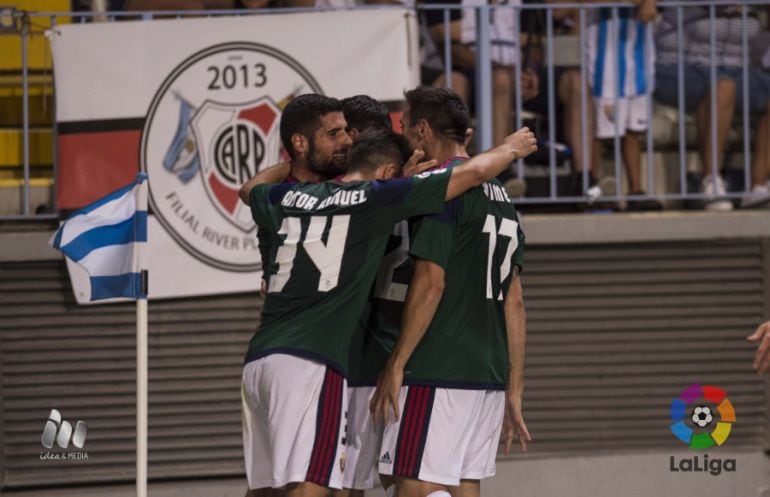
(381, 324)
(478, 241)
(265, 238)
(330, 238)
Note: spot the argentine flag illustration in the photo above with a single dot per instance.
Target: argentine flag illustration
(107, 238)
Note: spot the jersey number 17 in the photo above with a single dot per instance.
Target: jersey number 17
(508, 230)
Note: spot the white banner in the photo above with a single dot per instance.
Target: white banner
(198, 103)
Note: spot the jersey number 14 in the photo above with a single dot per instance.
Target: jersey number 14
(326, 256)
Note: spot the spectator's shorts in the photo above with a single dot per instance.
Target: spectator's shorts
(443, 435)
(631, 114)
(697, 81)
(362, 440)
(293, 422)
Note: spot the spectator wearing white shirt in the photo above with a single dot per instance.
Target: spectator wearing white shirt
(728, 51)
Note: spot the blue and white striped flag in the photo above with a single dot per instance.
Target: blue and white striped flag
(108, 238)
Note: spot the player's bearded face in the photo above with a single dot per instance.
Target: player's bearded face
(328, 149)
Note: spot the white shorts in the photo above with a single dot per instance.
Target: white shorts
(631, 113)
(362, 441)
(443, 435)
(293, 422)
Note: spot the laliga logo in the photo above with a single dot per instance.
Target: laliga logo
(212, 124)
(702, 417)
(702, 400)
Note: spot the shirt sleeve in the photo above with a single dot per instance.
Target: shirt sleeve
(433, 235)
(402, 198)
(265, 203)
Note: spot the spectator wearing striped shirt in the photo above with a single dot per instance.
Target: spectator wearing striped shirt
(729, 26)
(620, 54)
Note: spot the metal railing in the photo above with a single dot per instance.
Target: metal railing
(484, 105)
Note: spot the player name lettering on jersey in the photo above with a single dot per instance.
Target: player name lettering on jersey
(299, 200)
(496, 193)
(344, 198)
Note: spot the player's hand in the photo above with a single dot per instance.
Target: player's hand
(263, 289)
(513, 423)
(523, 141)
(762, 357)
(386, 394)
(414, 166)
(530, 84)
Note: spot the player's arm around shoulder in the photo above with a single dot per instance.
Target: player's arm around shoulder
(271, 175)
(489, 164)
(422, 299)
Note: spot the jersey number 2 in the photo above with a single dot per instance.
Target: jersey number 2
(508, 228)
(327, 256)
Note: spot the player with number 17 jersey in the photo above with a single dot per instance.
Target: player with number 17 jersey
(453, 403)
(477, 240)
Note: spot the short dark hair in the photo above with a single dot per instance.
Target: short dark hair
(303, 115)
(364, 113)
(375, 148)
(442, 108)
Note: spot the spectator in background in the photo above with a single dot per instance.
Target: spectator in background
(462, 28)
(433, 65)
(568, 90)
(618, 53)
(729, 27)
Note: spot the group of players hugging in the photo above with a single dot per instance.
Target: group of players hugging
(393, 328)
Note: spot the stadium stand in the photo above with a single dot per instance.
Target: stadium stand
(40, 111)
